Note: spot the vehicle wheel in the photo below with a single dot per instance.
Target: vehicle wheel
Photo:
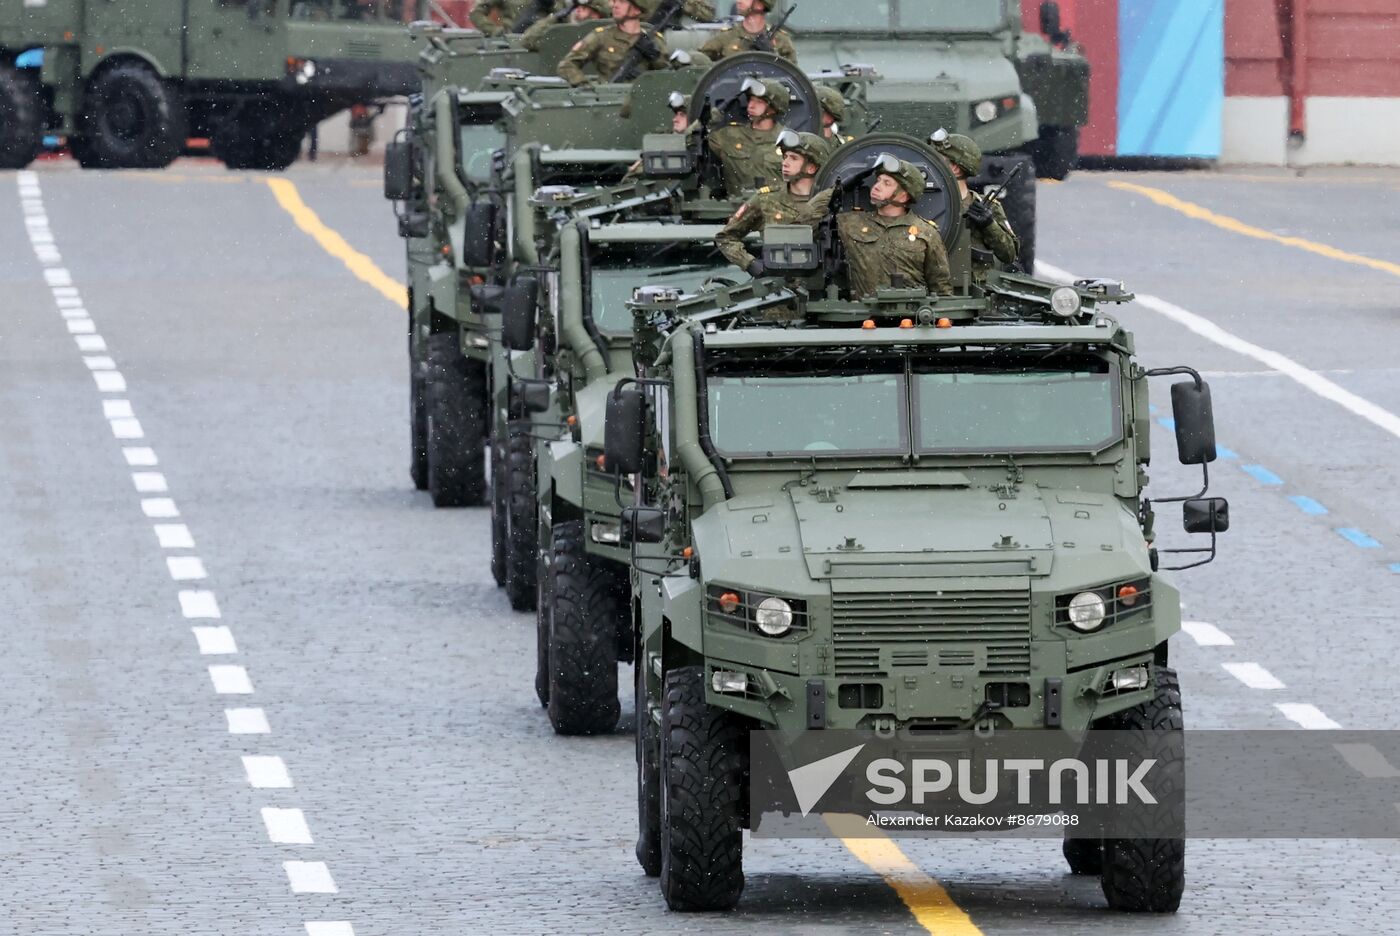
(456, 424)
(584, 607)
(417, 414)
(263, 133)
(1084, 856)
(131, 119)
(702, 787)
(21, 118)
(1056, 152)
(648, 781)
(522, 519)
(498, 515)
(1019, 202)
(1147, 875)
(543, 604)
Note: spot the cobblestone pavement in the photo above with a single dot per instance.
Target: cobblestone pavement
(406, 781)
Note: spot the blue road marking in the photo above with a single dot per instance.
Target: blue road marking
(1358, 538)
(1308, 506)
(1168, 424)
(1222, 452)
(1395, 567)
(1261, 474)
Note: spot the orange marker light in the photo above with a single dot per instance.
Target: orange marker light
(602, 461)
(446, 250)
(1128, 595)
(728, 602)
(687, 552)
(868, 324)
(572, 420)
(906, 323)
(944, 323)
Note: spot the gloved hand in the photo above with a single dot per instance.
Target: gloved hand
(757, 269)
(647, 48)
(978, 214)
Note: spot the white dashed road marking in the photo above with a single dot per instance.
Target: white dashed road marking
(1207, 635)
(1253, 675)
(149, 482)
(329, 928)
(247, 721)
(286, 826)
(174, 536)
(214, 640)
(117, 409)
(199, 604)
(127, 429)
(310, 877)
(139, 456)
(109, 381)
(186, 568)
(1307, 716)
(1367, 761)
(159, 508)
(266, 772)
(230, 679)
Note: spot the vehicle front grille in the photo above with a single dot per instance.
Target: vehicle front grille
(363, 49)
(988, 630)
(916, 118)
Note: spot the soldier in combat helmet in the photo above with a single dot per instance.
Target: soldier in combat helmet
(748, 155)
(892, 241)
(795, 202)
(742, 36)
(833, 112)
(606, 48)
(994, 243)
(575, 11)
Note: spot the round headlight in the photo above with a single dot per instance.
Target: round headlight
(986, 111)
(774, 616)
(1065, 301)
(1086, 611)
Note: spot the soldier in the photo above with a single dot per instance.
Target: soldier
(493, 17)
(994, 243)
(684, 58)
(833, 112)
(701, 11)
(680, 111)
(748, 156)
(804, 154)
(741, 37)
(576, 11)
(892, 240)
(606, 48)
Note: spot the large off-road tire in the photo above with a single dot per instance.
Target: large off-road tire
(131, 119)
(543, 605)
(1083, 855)
(585, 603)
(1147, 875)
(703, 763)
(417, 412)
(263, 133)
(522, 519)
(456, 424)
(1019, 202)
(498, 515)
(21, 117)
(1056, 153)
(648, 780)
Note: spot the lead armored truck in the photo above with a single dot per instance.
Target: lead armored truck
(897, 514)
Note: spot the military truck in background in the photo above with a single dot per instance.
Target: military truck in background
(953, 537)
(128, 85)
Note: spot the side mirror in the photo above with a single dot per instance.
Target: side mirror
(518, 309)
(1195, 423)
(398, 171)
(789, 248)
(624, 431)
(478, 241)
(643, 525)
(414, 224)
(532, 395)
(1050, 18)
(1206, 515)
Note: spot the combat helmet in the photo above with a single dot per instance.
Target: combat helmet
(686, 58)
(909, 176)
(814, 148)
(961, 151)
(602, 7)
(774, 92)
(831, 101)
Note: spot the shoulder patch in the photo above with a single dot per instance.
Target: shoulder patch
(601, 29)
(766, 190)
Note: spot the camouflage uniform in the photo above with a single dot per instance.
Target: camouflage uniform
(749, 158)
(510, 9)
(996, 239)
(834, 104)
(605, 49)
(534, 35)
(702, 11)
(732, 40)
(877, 247)
(768, 206)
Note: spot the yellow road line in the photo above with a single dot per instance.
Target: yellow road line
(332, 243)
(934, 910)
(1235, 226)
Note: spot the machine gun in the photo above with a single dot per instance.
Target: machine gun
(666, 16)
(764, 42)
(828, 237)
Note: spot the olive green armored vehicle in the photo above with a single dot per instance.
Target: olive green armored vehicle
(128, 84)
(894, 514)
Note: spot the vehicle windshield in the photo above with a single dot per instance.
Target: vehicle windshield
(1034, 410)
(894, 15)
(479, 141)
(617, 270)
(801, 415)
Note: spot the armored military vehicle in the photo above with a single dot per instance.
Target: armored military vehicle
(127, 87)
(893, 514)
